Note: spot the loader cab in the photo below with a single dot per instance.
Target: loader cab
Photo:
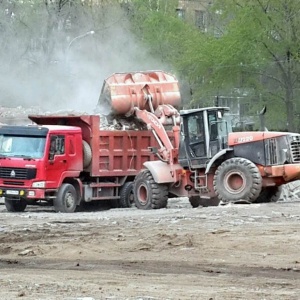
(204, 132)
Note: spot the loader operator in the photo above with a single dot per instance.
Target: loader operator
(197, 136)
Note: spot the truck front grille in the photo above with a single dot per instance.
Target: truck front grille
(9, 182)
(17, 173)
(295, 149)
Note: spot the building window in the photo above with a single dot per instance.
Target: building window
(200, 19)
(180, 13)
(245, 109)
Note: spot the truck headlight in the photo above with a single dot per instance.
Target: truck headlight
(39, 184)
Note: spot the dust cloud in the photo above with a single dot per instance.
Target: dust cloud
(44, 64)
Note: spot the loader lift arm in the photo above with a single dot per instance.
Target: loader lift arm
(155, 122)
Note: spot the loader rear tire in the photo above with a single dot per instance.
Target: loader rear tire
(237, 179)
(269, 194)
(147, 193)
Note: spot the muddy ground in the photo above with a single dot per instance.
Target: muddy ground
(225, 252)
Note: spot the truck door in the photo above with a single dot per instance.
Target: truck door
(57, 159)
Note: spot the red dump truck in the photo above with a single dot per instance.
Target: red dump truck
(69, 159)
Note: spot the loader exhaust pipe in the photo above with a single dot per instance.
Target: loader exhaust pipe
(262, 119)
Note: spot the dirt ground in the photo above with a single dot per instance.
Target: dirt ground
(214, 253)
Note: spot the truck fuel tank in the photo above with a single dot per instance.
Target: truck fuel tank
(121, 92)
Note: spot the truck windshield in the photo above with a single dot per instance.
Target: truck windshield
(22, 146)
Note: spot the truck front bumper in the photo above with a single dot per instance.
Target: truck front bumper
(15, 193)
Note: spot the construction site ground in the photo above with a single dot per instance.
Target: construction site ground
(214, 253)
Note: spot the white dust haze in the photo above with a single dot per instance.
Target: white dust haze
(67, 74)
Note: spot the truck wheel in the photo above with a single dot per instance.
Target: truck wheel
(237, 179)
(87, 154)
(126, 195)
(66, 199)
(269, 194)
(147, 193)
(15, 205)
(197, 201)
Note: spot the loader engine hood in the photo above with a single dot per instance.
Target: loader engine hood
(266, 147)
(237, 138)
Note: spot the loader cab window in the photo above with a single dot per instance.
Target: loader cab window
(218, 130)
(224, 127)
(196, 133)
(213, 125)
(196, 128)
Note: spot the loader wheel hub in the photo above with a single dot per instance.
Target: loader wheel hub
(142, 194)
(234, 182)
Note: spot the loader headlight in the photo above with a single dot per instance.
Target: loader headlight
(39, 184)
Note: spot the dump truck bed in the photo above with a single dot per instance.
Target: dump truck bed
(123, 152)
(114, 152)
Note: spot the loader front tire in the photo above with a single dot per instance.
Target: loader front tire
(237, 179)
(147, 193)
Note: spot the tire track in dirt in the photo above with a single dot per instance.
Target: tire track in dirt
(152, 266)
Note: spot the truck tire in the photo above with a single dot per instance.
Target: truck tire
(126, 195)
(87, 154)
(237, 179)
(147, 193)
(66, 199)
(269, 194)
(197, 201)
(15, 205)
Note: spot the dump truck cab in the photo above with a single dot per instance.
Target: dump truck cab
(34, 161)
(204, 133)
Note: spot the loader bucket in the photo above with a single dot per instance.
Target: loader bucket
(121, 92)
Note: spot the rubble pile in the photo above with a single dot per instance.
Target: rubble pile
(17, 115)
